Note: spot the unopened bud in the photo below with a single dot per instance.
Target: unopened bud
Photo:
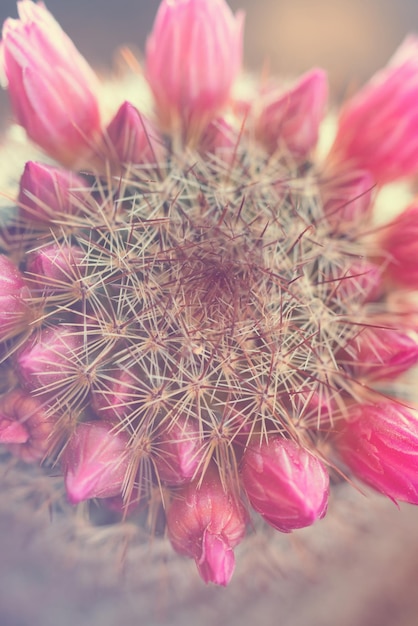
(291, 120)
(379, 443)
(285, 483)
(205, 522)
(48, 193)
(177, 451)
(15, 311)
(133, 138)
(95, 462)
(25, 426)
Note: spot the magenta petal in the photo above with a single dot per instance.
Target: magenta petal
(207, 32)
(379, 443)
(12, 431)
(216, 564)
(370, 135)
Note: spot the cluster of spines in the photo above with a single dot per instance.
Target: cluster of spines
(160, 307)
(203, 315)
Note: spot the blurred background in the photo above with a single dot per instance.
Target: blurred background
(367, 578)
(350, 39)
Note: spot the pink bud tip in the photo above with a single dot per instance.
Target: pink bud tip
(50, 359)
(14, 299)
(369, 134)
(217, 561)
(347, 198)
(119, 394)
(285, 483)
(49, 193)
(133, 138)
(362, 281)
(291, 120)
(56, 269)
(25, 426)
(382, 353)
(205, 522)
(379, 443)
(12, 432)
(52, 89)
(219, 140)
(177, 451)
(400, 245)
(95, 462)
(207, 32)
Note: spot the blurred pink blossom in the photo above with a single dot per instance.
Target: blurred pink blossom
(285, 483)
(193, 56)
(206, 522)
(378, 127)
(51, 87)
(379, 443)
(291, 119)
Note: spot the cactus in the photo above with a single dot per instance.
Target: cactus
(202, 322)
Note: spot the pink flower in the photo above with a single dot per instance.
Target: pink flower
(378, 127)
(400, 244)
(219, 139)
(133, 139)
(51, 360)
(379, 443)
(52, 88)
(25, 427)
(117, 394)
(291, 120)
(177, 451)
(95, 462)
(362, 281)
(15, 310)
(382, 353)
(285, 483)
(347, 198)
(49, 193)
(12, 431)
(193, 56)
(314, 407)
(56, 269)
(206, 522)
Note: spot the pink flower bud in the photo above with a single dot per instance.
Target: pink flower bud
(48, 193)
(285, 483)
(207, 32)
(50, 361)
(117, 394)
(52, 88)
(347, 198)
(219, 139)
(133, 139)
(177, 451)
(314, 407)
(12, 431)
(400, 243)
(15, 311)
(291, 120)
(95, 462)
(379, 443)
(369, 134)
(25, 427)
(56, 269)
(382, 353)
(405, 303)
(205, 523)
(362, 281)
